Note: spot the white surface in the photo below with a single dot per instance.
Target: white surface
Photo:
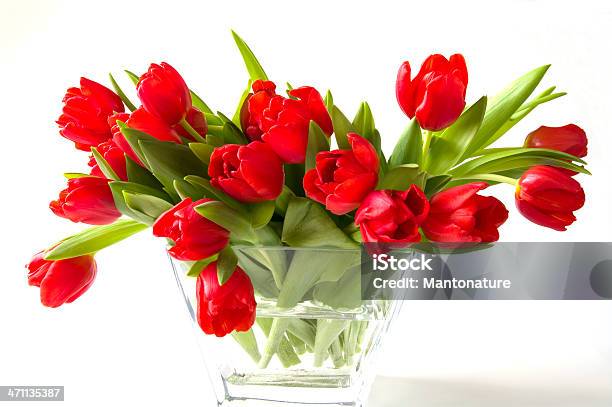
(128, 341)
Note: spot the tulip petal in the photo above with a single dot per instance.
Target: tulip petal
(349, 194)
(442, 102)
(66, 278)
(453, 198)
(364, 152)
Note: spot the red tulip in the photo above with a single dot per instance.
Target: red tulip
(225, 308)
(342, 178)
(61, 281)
(460, 215)
(392, 216)
(88, 200)
(283, 122)
(195, 237)
(569, 139)
(437, 94)
(251, 173)
(197, 120)
(164, 93)
(251, 113)
(85, 113)
(141, 120)
(548, 197)
(114, 156)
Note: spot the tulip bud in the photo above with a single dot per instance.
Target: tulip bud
(341, 179)
(84, 118)
(436, 95)
(61, 281)
(194, 236)
(569, 139)
(88, 200)
(164, 93)
(459, 215)
(251, 173)
(225, 308)
(283, 123)
(251, 113)
(548, 197)
(392, 216)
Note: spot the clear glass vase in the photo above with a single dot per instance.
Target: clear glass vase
(314, 339)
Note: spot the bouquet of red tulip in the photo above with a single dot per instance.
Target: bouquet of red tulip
(293, 170)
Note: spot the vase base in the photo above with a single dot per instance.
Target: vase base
(277, 403)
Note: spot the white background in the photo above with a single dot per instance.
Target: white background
(128, 339)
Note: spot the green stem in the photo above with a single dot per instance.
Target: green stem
(427, 135)
(297, 343)
(336, 354)
(492, 177)
(328, 331)
(275, 336)
(248, 342)
(185, 124)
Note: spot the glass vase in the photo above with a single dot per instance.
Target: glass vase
(314, 339)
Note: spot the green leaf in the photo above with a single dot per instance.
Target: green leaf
(213, 120)
(140, 175)
(214, 193)
(94, 239)
(524, 162)
(294, 177)
(527, 108)
(307, 224)
(311, 267)
(169, 161)
(261, 213)
(363, 123)
(248, 342)
(317, 142)
(252, 64)
(198, 266)
(342, 126)
(133, 77)
(231, 133)
(260, 275)
(503, 106)
(104, 166)
(147, 204)
(239, 226)
(496, 158)
(71, 175)
(400, 178)
(329, 101)
(226, 264)
(202, 150)
(282, 202)
(121, 94)
(215, 140)
(447, 149)
(409, 146)
(243, 97)
(133, 137)
(436, 183)
(186, 190)
(119, 187)
(199, 104)
(509, 151)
